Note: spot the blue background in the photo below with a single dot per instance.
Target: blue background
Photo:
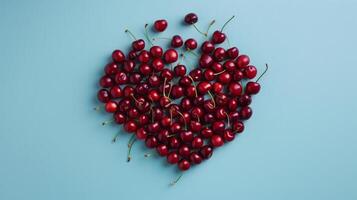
(300, 143)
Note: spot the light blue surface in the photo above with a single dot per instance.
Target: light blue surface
(300, 144)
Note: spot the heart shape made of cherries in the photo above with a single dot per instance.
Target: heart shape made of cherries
(184, 116)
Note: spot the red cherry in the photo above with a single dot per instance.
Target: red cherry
(151, 142)
(143, 120)
(177, 91)
(238, 126)
(232, 104)
(218, 37)
(135, 78)
(163, 136)
(218, 127)
(154, 80)
(106, 81)
(195, 126)
(162, 150)
(219, 54)
(118, 56)
(217, 87)
(160, 25)
(238, 75)
(233, 52)
(121, 78)
(145, 69)
(207, 47)
(128, 66)
(252, 88)
(154, 95)
(203, 87)
(184, 165)
(206, 152)
(180, 70)
(156, 51)
(175, 127)
(172, 158)
(184, 151)
(174, 142)
(138, 45)
(141, 134)
(158, 64)
(230, 66)
(111, 69)
(103, 95)
(224, 78)
(228, 135)
(250, 71)
(165, 121)
(111, 106)
(217, 141)
(245, 112)
(119, 118)
(209, 118)
(197, 142)
(176, 41)
(217, 67)
(195, 158)
(243, 61)
(132, 55)
(170, 56)
(186, 136)
(206, 132)
(133, 113)
(130, 126)
(235, 89)
(144, 56)
(205, 61)
(191, 18)
(191, 44)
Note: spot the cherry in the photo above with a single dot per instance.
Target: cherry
(145, 69)
(232, 53)
(163, 136)
(111, 106)
(197, 142)
(196, 74)
(206, 151)
(176, 41)
(235, 89)
(185, 81)
(133, 113)
(130, 126)
(199, 100)
(186, 136)
(207, 47)
(217, 67)
(191, 18)
(203, 87)
(119, 118)
(141, 134)
(243, 61)
(156, 51)
(195, 126)
(143, 120)
(205, 61)
(252, 88)
(224, 78)
(232, 104)
(132, 55)
(230, 66)
(184, 165)
(165, 121)
(124, 105)
(151, 142)
(209, 74)
(111, 69)
(217, 141)
(195, 158)
(144, 56)
(154, 95)
(228, 135)
(218, 127)
(184, 151)
(177, 91)
(162, 150)
(158, 64)
(118, 56)
(170, 56)
(167, 74)
(206, 132)
(128, 66)
(175, 127)
(238, 75)
(218, 37)
(245, 112)
(135, 78)
(191, 44)
(250, 71)
(160, 25)
(172, 158)
(219, 54)
(165, 102)
(180, 70)
(174, 142)
(154, 80)
(221, 114)
(121, 78)
(217, 87)
(186, 104)
(238, 126)
(234, 116)
(221, 99)
(106, 81)
(209, 118)
(197, 112)
(128, 91)
(103, 95)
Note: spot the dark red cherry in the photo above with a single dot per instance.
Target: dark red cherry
(165, 121)
(209, 118)
(199, 100)
(206, 151)
(218, 37)
(219, 54)
(128, 91)
(132, 55)
(138, 45)
(162, 150)
(243, 61)
(232, 53)
(145, 69)
(186, 136)
(172, 158)
(143, 120)
(154, 80)
(205, 61)
(184, 151)
(141, 134)
(174, 142)
(111, 69)
(229, 65)
(209, 74)
(103, 95)
(195, 126)
(250, 71)
(106, 81)
(228, 135)
(119, 118)
(175, 127)
(128, 66)
(191, 44)
(245, 112)
(111, 106)
(121, 78)
(217, 87)
(232, 104)
(217, 141)
(186, 104)
(196, 74)
(160, 25)
(154, 95)
(177, 91)
(206, 132)
(235, 89)
(158, 64)
(238, 75)
(170, 56)
(163, 136)
(195, 158)
(184, 165)
(234, 116)
(191, 18)
(130, 126)
(224, 78)
(144, 56)
(203, 87)
(176, 41)
(238, 127)
(217, 67)
(218, 127)
(180, 70)
(133, 113)
(207, 47)
(135, 78)
(118, 56)
(151, 142)
(244, 100)
(252, 88)
(197, 142)
(156, 51)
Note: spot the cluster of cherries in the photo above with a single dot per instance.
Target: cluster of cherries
(183, 115)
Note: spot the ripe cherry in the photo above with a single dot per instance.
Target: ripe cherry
(250, 71)
(205, 61)
(176, 41)
(156, 51)
(228, 135)
(106, 81)
(180, 70)
(119, 118)
(184, 151)
(111, 69)
(235, 89)
(186, 136)
(218, 127)
(217, 141)
(151, 142)
(252, 88)
(170, 56)
(111, 106)
(207, 47)
(103, 95)
(184, 165)
(118, 56)
(160, 25)
(206, 132)
(191, 18)
(245, 112)
(195, 158)
(203, 87)
(174, 142)
(219, 54)
(162, 150)
(224, 78)
(130, 126)
(206, 151)
(218, 37)
(232, 53)
(191, 44)
(141, 134)
(144, 56)
(243, 61)
(121, 78)
(197, 142)
(172, 158)
(238, 127)
(158, 64)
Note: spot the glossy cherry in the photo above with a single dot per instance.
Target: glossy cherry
(160, 25)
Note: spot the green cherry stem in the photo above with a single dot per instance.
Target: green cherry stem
(266, 69)
(225, 24)
(147, 35)
(132, 140)
(130, 33)
(176, 180)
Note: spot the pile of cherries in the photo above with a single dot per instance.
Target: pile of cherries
(183, 115)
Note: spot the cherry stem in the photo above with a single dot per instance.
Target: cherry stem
(147, 35)
(115, 138)
(132, 140)
(209, 26)
(168, 95)
(161, 38)
(266, 69)
(218, 73)
(194, 85)
(132, 95)
(212, 98)
(107, 122)
(225, 24)
(198, 30)
(175, 181)
(183, 117)
(163, 88)
(229, 44)
(228, 121)
(130, 33)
